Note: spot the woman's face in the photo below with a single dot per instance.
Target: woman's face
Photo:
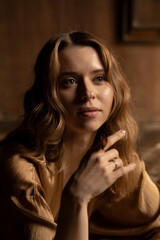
(84, 91)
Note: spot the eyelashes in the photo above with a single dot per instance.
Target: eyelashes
(72, 81)
(100, 78)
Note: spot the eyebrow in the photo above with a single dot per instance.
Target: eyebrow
(69, 73)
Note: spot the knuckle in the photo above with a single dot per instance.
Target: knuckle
(103, 170)
(120, 162)
(100, 166)
(98, 160)
(95, 157)
(115, 151)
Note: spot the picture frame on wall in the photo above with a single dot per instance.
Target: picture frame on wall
(141, 21)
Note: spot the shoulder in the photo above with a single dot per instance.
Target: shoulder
(22, 189)
(16, 152)
(17, 166)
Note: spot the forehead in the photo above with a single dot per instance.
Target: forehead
(79, 57)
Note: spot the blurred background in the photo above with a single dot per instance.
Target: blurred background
(130, 28)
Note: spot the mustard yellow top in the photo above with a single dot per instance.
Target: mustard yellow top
(31, 191)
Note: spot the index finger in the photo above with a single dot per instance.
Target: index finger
(114, 138)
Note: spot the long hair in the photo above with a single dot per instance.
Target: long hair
(43, 119)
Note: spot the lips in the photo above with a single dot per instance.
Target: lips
(89, 111)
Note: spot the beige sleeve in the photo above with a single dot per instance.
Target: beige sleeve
(27, 197)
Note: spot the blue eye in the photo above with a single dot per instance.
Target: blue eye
(68, 82)
(100, 79)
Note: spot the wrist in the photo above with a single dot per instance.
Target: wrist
(76, 194)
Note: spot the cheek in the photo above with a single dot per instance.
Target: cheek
(66, 98)
(107, 95)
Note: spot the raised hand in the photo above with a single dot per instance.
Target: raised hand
(98, 170)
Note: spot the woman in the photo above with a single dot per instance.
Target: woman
(70, 171)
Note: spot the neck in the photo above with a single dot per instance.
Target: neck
(76, 145)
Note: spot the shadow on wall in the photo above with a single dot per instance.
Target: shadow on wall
(8, 124)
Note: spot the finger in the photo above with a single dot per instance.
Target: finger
(111, 164)
(125, 170)
(115, 164)
(105, 158)
(114, 138)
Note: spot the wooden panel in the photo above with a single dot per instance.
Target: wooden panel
(141, 21)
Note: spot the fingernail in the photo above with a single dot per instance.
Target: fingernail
(123, 132)
(133, 165)
(103, 143)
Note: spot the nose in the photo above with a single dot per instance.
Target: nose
(88, 96)
(86, 91)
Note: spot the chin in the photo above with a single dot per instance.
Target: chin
(89, 128)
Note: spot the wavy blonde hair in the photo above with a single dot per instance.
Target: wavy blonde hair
(44, 122)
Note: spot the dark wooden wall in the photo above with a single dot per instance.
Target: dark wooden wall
(26, 25)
